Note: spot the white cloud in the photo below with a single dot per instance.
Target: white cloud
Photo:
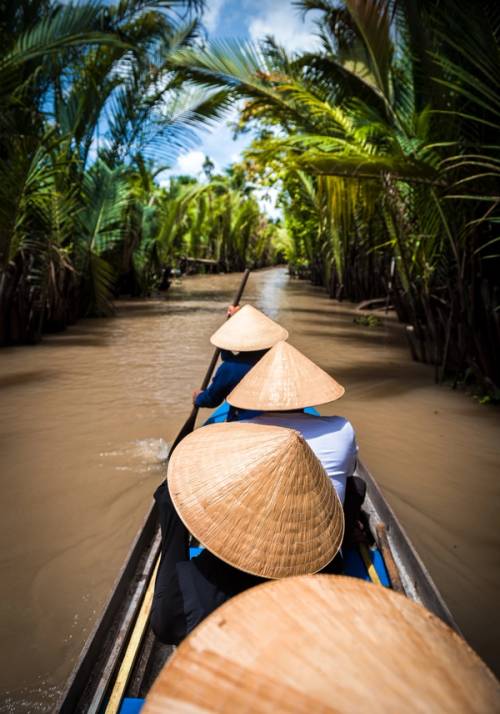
(218, 144)
(266, 198)
(163, 179)
(190, 163)
(212, 13)
(282, 20)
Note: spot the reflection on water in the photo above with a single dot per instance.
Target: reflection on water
(85, 422)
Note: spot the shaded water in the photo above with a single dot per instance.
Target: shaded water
(85, 422)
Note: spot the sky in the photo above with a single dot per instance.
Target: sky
(247, 20)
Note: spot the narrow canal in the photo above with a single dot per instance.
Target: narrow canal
(86, 418)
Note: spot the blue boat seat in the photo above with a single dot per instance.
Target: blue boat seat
(355, 567)
(221, 413)
(131, 706)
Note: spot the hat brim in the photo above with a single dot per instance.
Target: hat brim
(258, 498)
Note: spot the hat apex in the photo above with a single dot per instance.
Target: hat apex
(248, 330)
(284, 379)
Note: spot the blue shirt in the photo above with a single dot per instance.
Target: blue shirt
(229, 374)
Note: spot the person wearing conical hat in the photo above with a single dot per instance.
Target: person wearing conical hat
(243, 340)
(280, 386)
(326, 644)
(258, 500)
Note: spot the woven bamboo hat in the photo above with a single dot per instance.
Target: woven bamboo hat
(284, 379)
(323, 643)
(247, 330)
(257, 497)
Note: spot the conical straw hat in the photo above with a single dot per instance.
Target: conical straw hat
(257, 497)
(284, 379)
(323, 643)
(247, 330)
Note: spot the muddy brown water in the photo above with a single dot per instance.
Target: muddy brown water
(85, 422)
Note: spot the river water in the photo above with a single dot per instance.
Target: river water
(85, 422)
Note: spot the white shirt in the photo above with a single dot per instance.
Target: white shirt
(331, 438)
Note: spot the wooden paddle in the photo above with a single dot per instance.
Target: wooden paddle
(191, 420)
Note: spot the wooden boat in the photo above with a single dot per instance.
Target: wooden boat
(122, 627)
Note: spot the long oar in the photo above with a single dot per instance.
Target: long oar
(191, 420)
(142, 620)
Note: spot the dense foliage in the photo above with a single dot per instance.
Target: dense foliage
(384, 143)
(90, 113)
(387, 144)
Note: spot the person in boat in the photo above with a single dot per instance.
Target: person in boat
(242, 490)
(243, 340)
(324, 644)
(280, 386)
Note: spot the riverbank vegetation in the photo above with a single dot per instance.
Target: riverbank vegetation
(383, 143)
(90, 113)
(386, 141)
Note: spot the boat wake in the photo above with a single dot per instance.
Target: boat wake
(142, 456)
(153, 451)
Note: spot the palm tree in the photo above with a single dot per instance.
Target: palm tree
(220, 221)
(75, 81)
(384, 128)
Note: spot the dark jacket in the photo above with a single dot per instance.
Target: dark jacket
(187, 590)
(229, 374)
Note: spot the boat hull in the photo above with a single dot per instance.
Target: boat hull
(395, 563)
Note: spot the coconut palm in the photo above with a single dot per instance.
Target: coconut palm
(220, 221)
(77, 80)
(385, 128)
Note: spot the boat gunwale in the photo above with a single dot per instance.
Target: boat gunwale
(420, 589)
(70, 700)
